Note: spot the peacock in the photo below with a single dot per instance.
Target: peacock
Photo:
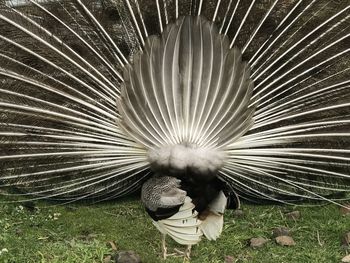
(196, 104)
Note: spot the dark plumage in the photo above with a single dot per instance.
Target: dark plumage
(203, 193)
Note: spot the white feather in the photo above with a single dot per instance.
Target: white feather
(212, 226)
(184, 226)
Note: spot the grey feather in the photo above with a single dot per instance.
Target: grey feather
(162, 192)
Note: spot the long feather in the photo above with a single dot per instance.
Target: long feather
(87, 92)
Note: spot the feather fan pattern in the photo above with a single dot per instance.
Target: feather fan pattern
(61, 71)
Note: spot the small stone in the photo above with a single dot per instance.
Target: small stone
(280, 231)
(258, 242)
(238, 213)
(345, 209)
(127, 257)
(346, 259)
(345, 241)
(294, 215)
(229, 259)
(285, 241)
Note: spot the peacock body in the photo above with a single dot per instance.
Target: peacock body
(196, 102)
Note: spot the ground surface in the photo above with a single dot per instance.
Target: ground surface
(81, 233)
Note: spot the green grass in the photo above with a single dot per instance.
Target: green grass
(80, 233)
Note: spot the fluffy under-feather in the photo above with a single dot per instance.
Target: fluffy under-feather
(179, 158)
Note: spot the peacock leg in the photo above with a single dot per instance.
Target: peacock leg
(164, 248)
(186, 254)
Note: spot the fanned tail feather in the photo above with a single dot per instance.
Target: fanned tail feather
(86, 92)
(59, 82)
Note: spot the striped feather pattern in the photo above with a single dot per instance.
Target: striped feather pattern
(65, 66)
(184, 226)
(187, 87)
